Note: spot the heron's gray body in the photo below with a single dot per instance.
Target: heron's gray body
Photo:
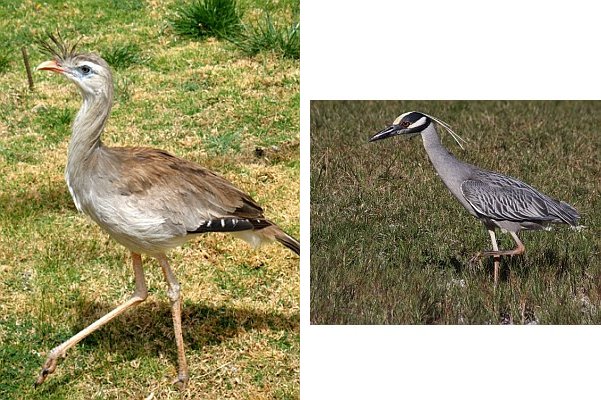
(498, 200)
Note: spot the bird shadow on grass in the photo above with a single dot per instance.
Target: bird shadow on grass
(147, 330)
(550, 262)
(149, 327)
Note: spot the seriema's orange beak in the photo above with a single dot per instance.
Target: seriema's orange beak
(50, 66)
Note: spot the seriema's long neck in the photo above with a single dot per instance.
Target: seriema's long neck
(88, 126)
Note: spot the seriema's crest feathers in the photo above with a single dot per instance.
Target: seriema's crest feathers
(57, 47)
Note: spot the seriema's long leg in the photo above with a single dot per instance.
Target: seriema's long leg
(176, 312)
(137, 297)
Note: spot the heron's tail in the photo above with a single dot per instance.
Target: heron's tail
(568, 214)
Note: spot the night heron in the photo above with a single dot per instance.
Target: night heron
(499, 201)
(146, 199)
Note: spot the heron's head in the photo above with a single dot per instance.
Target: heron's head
(89, 72)
(409, 124)
(413, 123)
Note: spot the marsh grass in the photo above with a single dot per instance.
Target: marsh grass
(390, 245)
(59, 271)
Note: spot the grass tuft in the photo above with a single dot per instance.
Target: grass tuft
(123, 89)
(123, 56)
(265, 35)
(201, 19)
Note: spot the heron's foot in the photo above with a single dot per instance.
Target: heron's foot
(476, 258)
(48, 368)
(502, 253)
(182, 380)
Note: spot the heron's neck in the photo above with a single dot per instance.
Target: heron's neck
(439, 156)
(451, 171)
(88, 126)
(448, 167)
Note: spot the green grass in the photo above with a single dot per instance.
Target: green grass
(266, 35)
(5, 59)
(229, 141)
(390, 245)
(204, 101)
(123, 56)
(251, 30)
(200, 19)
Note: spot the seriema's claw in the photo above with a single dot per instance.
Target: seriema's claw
(47, 369)
(181, 381)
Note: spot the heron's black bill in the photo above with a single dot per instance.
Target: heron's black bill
(392, 130)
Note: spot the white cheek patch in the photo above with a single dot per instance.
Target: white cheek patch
(419, 122)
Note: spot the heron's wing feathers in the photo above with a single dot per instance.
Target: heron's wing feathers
(504, 203)
(501, 197)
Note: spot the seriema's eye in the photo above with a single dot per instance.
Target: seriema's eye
(85, 69)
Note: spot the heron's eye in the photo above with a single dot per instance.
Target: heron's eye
(85, 69)
(405, 124)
